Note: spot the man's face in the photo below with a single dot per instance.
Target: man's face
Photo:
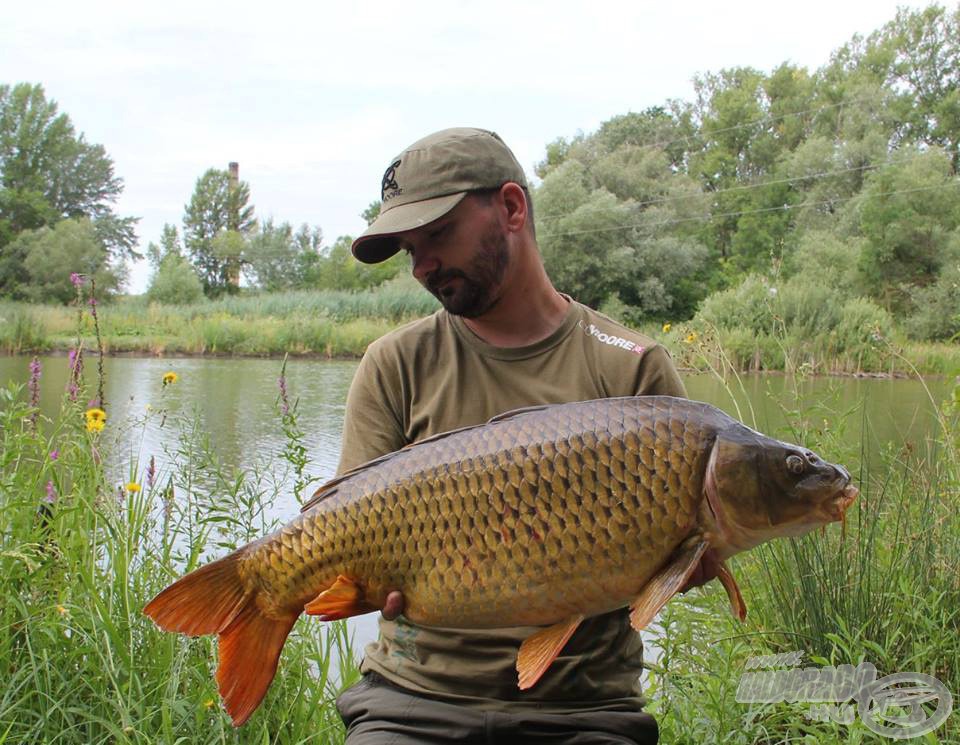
(461, 258)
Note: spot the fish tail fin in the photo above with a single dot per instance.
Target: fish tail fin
(202, 602)
(214, 600)
(249, 652)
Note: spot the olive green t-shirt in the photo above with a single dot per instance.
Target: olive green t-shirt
(435, 375)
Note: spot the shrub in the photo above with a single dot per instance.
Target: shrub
(937, 314)
(175, 283)
(746, 307)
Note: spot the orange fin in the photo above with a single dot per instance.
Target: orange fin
(249, 652)
(342, 599)
(538, 651)
(737, 605)
(664, 585)
(213, 600)
(202, 602)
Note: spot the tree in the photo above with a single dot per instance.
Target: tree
(908, 212)
(174, 280)
(216, 207)
(279, 259)
(49, 173)
(51, 255)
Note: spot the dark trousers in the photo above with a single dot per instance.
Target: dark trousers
(379, 713)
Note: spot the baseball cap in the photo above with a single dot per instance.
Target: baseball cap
(430, 178)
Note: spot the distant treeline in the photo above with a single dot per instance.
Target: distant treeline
(839, 186)
(793, 202)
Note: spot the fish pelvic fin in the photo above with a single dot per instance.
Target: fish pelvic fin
(214, 600)
(539, 650)
(344, 598)
(665, 584)
(737, 604)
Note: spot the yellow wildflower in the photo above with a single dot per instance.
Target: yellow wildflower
(133, 487)
(208, 703)
(96, 420)
(666, 328)
(691, 337)
(169, 378)
(61, 610)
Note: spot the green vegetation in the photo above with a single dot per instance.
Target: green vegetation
(327, 323)
(843, 178)
(81, 554)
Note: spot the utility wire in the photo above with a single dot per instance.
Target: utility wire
(708, 218)
(758, 185)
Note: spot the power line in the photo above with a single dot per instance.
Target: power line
(758, 185)
(782, 208)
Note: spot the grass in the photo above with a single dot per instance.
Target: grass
(342, 324)
(80, 662)
(323, 323)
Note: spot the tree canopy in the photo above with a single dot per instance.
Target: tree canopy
(48, 174)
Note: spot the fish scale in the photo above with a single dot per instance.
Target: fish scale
(553, 477)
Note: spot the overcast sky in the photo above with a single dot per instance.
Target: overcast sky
(312, 99)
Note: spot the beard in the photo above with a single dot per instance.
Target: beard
(474, 294)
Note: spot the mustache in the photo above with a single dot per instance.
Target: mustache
(437, 278)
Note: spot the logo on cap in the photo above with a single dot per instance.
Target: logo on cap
(389, 183)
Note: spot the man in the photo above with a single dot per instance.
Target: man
(457, 203)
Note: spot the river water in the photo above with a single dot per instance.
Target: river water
(235, 402)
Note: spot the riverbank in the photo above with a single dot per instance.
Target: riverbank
(81, 552)
(334, 325)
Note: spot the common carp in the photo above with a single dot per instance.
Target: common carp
(542, 517)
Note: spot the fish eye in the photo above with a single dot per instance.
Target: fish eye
(795, 464)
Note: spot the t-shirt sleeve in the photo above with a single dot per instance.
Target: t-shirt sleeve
(371, 424)
(658, 375)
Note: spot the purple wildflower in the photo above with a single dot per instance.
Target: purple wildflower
(76, 279)
(151, 472)
(34, 387)
(51, 493)
(54, 454)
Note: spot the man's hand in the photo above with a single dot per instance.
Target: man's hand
(393, 605)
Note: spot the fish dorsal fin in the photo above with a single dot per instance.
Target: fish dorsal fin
(330, 488)
(516, 412)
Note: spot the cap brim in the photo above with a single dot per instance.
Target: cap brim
(379, 242)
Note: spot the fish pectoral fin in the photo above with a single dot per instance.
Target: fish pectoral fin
(665, 584)
(539, 650)
(342, 599)
(737, 605)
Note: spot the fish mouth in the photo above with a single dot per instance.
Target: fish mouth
(837, 506)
